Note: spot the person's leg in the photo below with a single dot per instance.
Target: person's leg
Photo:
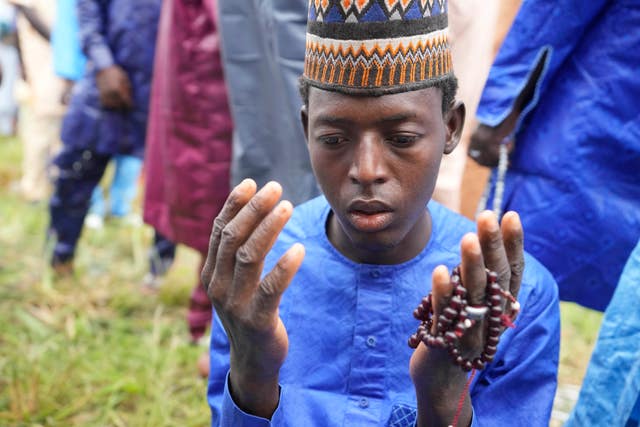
(124, 186)
(199, 318)
(40, 139)
(79, 171)
(162, 255)
(200, 309)
(95, 217)
(97, 202)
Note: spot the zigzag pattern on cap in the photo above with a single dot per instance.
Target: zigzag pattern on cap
(377, 46)
(359, 66)
(373, 10)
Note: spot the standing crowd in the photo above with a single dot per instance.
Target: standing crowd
(314, 153)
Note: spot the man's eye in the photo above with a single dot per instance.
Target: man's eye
(403, 140)
(331, 140)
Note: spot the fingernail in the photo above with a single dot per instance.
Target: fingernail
(292, 253)
(283, 207)
(244, 185)
(272, 186)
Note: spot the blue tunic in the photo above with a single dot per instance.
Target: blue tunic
(610, 394)
(574, 176)
(348, 325)
(121, 32)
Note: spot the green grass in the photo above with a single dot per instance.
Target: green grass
(579, 332)
(92, 350)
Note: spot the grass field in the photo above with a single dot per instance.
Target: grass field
(92, 350)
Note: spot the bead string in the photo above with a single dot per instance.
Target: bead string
(458, 317)
(463, 397)
(501, 170)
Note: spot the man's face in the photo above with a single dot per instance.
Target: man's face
(376, 160)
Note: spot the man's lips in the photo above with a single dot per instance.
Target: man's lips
(369, 215)
(368, 207)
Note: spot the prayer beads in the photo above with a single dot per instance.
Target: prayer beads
(458, 317)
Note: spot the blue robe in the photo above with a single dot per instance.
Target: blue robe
(610, 394)
(121, 32)
(574, 176)
(348, 326)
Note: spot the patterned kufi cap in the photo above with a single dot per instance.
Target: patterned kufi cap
(377, 46)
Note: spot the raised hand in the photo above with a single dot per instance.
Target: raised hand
(243, 233)
(440, 384)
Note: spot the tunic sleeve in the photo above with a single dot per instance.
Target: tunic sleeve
(68, 60)
(92, 18)
(555, 26)
(518, 387)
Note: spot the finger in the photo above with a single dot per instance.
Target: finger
(513, 236)
(250, 256)
(441, 290)
(236, 200)
(240, 228)
(277, 281)
(493, 251)
(472, 269)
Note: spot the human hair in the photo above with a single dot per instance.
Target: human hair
(447, 85)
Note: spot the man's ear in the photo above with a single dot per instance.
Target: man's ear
(454, 121)
(304, 117)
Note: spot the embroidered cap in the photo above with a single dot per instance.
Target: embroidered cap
(376, 47)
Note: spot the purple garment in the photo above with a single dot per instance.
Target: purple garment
(189, 144)
(121, 32)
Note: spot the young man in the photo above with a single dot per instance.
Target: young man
(332, 350)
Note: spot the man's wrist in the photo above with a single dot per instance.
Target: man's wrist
(440, 386)
(257, 395)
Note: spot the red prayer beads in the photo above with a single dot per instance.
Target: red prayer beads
(458, 316)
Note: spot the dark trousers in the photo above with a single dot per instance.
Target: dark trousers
(79, 172)
(161, 255)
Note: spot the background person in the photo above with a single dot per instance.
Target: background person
(107, 114)
(189, 139)
(573, 171)
(39, 98)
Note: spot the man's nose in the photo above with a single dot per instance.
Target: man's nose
(368, 165)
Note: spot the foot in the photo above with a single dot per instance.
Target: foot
(62, 268)
(151, 284)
